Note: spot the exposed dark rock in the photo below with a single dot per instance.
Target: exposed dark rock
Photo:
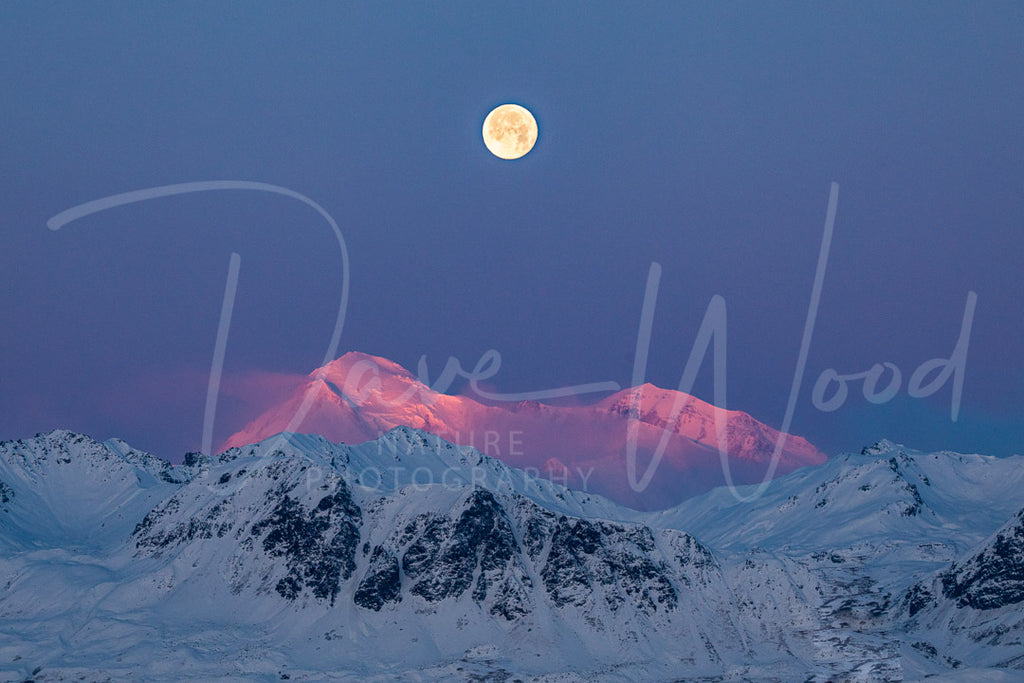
(918, 597)
(993, 577)
(382, 582)
(446, 555)
(319, 544)
(914, 508)
(617, 558)
(142, 529)
(6, 495)
(196, 459)
(690, 551)
(537, 533)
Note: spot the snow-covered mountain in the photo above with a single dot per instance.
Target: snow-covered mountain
(885, 492)
(409, 557)
(359, 397)
(872, 534)
(974, 609)
(66, 490)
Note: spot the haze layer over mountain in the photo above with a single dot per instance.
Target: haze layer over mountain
(359, 397)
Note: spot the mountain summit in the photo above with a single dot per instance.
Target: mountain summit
(358, 397)
(410, 558)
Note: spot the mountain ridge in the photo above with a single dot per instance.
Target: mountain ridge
(493, 572)
(359, 397)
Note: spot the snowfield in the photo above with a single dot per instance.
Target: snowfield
(409, 558)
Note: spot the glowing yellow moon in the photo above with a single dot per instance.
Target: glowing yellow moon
(510, 131)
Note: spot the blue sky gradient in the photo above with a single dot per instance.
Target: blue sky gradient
(703, 136)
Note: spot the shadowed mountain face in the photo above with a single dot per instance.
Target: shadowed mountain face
(281, 545)
(288, 559)
(359, 397)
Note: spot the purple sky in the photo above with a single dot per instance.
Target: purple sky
(701, 136)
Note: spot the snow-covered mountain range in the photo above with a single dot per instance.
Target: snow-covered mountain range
(410, 558)
(359, 397)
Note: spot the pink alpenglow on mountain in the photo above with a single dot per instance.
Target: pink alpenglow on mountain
(358, 397)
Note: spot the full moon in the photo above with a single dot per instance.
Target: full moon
(510, 131)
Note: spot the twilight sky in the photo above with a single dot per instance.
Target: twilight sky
(703, 136)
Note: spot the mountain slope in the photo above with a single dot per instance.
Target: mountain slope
(886, 491)
(281, 542)
(66, 490)
(974, 608)
(858, 533)
(412, 558)
(358, 397)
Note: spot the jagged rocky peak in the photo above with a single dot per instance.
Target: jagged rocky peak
(63, 489)
(286, 534)
(59, 446)
(892, 478)
(434, 546)
(883, 447)
(62, 447)
(495, 549)
(305, 532)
